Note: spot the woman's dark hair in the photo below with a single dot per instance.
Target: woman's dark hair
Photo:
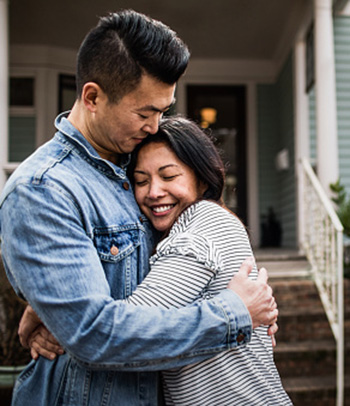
(125, 45)
(194, 148)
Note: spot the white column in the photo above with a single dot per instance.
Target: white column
(301, 124)
(326, 110)
(4, 103)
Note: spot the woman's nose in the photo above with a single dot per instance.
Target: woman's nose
(155, 190)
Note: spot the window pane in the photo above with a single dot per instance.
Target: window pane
(66, 92)
(21, 91)
(22, 138)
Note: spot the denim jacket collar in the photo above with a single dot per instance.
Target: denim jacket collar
(68, 133)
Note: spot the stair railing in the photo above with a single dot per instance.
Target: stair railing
(323, 245)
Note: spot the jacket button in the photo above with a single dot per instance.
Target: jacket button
(114, 250)
(240, 338)
(126, 185)
(141, 219)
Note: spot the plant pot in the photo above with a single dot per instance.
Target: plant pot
(9, 374)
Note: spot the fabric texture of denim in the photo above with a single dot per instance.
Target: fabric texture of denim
(73, 242)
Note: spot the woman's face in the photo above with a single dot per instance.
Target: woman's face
(164, 186)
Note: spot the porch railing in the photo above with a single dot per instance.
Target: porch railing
(323, 245)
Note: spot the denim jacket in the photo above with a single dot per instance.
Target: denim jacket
(73, 242)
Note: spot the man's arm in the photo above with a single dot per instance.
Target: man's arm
(34, 335)
(73, 298)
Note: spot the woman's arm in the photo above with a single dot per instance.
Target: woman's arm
(179, 275)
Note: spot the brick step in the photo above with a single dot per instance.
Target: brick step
(311, 391)
(301, 295)
(304, 324)
(295, 293)
(308, 358)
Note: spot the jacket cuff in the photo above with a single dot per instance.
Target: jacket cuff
(239, 321)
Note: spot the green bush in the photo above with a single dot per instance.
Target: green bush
(343, 205)
(342, 202)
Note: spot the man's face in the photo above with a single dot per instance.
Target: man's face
(116, 128)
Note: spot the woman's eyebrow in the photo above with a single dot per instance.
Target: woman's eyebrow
(162, 168)
(168, 166)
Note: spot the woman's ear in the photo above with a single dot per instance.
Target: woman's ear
(91, 95)
(202, 188)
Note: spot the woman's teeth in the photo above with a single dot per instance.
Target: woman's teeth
(161, 209)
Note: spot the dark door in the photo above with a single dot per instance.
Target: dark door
(221, 109)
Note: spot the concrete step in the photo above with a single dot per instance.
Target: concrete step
(286, 269)
(282, 263)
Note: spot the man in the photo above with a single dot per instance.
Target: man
(74, 241)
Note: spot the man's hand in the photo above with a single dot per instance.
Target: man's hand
(256, 295)
(43, 343)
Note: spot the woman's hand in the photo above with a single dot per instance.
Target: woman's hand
(43, 343)
(34, 335)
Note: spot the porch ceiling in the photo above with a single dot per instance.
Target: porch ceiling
(248, 29)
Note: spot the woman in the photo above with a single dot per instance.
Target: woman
(178, 178)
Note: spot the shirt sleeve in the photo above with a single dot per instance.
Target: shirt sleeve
(180, 273)
(54, 265)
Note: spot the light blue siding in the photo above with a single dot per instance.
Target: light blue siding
(342, 66)
(276, 132)
(312, 126)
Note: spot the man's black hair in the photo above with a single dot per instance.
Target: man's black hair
(125, 45)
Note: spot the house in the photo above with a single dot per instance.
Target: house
(269, 79)
(273, 76)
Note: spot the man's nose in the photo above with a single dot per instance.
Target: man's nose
(152, 124)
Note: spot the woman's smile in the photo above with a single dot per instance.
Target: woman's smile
(162, 209)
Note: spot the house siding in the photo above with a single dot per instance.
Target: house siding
(342, 66)
(312, 127)
(276, 132)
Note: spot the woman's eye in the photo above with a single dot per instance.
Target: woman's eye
(143, 116)
(140, 182)
(169, 177)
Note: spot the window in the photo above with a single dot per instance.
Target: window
(22, 123)
(66, 92)
(310, 64)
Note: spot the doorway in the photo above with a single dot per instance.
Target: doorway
(222, 110)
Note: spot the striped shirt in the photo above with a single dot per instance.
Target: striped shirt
(203, 250)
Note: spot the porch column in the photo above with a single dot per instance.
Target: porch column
(326, 110)
(301, 124)
(4, 62)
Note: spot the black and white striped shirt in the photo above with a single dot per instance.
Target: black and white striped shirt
(205, 247)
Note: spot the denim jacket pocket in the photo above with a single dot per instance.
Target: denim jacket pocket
(113, 244)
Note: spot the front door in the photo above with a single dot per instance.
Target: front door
(221, 109)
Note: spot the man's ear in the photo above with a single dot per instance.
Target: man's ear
(91, 95)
